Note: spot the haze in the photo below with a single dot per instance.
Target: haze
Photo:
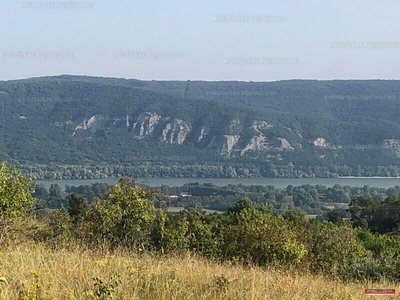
(279, 40)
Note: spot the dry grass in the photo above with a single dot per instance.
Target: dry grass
(68, 275)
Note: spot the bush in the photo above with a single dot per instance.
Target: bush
(379, 244)
(259, 237)
(15, 192)
(192, 231)
(15, 198)
(332, 247)
(370, 268)
(124, 218)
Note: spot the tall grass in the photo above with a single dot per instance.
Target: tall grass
(68, 274)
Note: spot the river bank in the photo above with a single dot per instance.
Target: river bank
(380, 182)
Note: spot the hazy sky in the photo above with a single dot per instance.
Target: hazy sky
(209, 40)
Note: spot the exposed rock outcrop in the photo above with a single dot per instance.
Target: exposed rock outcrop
(256, 143)
(261, 125)
(393, 145)
(201, 135)
(145, 124)
(285, 145)
(320, 142)
(127, 124)
(175, 132)
(227, 143)
(94, 124)
(224, 144)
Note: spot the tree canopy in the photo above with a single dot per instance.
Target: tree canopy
(15, 191)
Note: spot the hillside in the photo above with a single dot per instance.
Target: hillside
(274, 129)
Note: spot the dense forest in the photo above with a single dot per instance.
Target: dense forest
(96, 127)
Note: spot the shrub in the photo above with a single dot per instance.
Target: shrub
(379, 244)
(15, 196)
(124, 218)
(192, 231)
(332, 247)
(15, 191)
(257, 236)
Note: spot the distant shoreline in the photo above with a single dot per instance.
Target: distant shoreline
(219, 178)
(380, 182)
(364, 177)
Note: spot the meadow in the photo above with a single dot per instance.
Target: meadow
(33, 271)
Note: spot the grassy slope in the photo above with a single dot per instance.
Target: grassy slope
(68, 275)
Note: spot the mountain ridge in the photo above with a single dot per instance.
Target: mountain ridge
(92, 120)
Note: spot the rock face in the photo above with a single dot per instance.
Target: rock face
(224, 144)
(127, 123)
(320, 142)
(173, 132)
(145, 124)
(257, 143)
(228, 142)
(177, 131)
(285, 145)
(261, 125)
(393, 145)
(94, 124)
(201, 135)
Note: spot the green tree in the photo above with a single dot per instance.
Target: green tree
(295, 218)
(77, 206)
(15, 191)
(41, 192)
(387, 216)
(362, 211)
(257, 236)
(334, 217)
(125, 217)
(243, 203)
(55, 191)
(332, 248)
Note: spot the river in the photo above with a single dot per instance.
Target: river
(277, 182)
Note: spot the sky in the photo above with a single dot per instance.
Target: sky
(256, 40)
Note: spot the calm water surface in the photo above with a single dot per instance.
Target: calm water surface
(278, 182)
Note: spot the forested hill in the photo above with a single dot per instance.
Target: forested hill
(196, 128)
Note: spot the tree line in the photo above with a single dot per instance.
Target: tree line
(192, 169)
(311, 199)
